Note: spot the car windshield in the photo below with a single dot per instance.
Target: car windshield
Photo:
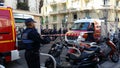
(80, 26)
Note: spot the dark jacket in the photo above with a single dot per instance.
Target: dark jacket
(35, 37)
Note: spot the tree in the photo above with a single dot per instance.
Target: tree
(40, 6)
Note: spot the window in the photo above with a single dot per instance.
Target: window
(87, 14)
(117, 3)
(106, 2)
(46, 26)
(22, 4)
(46, 9)
(54, 8)
(54, 26)
(64, 6)
(54, 18)
(74, 16)
(80, 26)
(23, 1)
(46, 21)
(46, 17)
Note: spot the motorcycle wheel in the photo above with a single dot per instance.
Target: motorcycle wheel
(115, 57)
(49, 63)
(2, 61)
(92, 66)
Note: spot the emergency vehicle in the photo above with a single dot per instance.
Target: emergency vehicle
(80, 27)
(8, 48)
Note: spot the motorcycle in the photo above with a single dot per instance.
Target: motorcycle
(81, 59)
(87, 59)
(106, 48)
(55, 51)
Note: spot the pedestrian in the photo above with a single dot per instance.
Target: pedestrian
(90, 33)
(111, 34)
(119, 39)
(32, 40)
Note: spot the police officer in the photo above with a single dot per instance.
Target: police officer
(32, 40)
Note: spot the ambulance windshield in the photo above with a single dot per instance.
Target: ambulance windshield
(80, 26)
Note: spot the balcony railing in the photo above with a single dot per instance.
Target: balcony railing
(64, 11)
(73, 10)
(53, 3)
(62, 1)
(53, 12)
(22, 6)
(117, 8)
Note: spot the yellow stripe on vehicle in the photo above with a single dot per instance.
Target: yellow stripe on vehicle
(12, 22)
(7, 41)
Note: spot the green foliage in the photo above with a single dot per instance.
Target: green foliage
(22, 6)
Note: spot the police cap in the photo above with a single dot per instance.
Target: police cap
(29, 20)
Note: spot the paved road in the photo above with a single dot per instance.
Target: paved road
(22, 64)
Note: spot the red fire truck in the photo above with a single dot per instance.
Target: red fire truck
(8, 49)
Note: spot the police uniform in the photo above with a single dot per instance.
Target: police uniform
(32, 40)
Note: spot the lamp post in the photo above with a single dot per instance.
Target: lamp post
(64, 23)
(105, 13)
(116, 20)
(66, 20)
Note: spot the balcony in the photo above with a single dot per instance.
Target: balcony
(73, 10)
(106, 7)
(53, 3)
(63, 11)
(62, 1)
(117, 8)
(22, 6)
(53, 12)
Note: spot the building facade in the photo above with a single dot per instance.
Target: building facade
(23, 9)
(57, 13)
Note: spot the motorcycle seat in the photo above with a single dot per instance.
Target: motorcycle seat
(80, 57)
(90, 43)
(92, 49)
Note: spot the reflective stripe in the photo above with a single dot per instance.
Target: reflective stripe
(7, 41)
(27, 41)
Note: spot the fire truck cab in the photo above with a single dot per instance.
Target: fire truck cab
(8, 48)
(80, 27)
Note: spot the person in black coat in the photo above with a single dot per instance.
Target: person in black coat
(90, 34)
(32, 39)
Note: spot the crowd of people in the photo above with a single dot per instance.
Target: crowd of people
(54, 31)
(50, 34)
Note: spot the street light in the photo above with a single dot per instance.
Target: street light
(66, 20)
(105, 13)
(116, 19)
